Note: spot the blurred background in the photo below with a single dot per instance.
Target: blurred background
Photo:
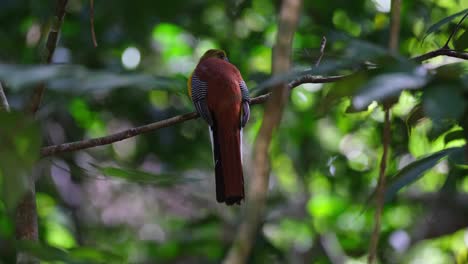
(151, 198)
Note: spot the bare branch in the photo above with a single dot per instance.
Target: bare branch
(315, 79)
(441, 52)
(89, 143)
(323, 43)
(455, 31)
(94, 142)
(4, 106)
(50, 49)
(91, 20)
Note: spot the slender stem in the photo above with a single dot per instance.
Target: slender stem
(386, 137)
(323, 43)
(441, 52)
(4, 106)
(380, 193)
(91, 20)
(446, 45)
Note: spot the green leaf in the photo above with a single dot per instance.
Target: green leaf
(415, 171)
(451, 72)
(80, 255)
(388, 85)
(171, 39)
(20, 142)
(454, 135)
(443, 102)
(78, 79)
(166, 179)
(444, 21)
(93, 255)
(43, 252)
(415, 116)
(461, 43)
(323, 206)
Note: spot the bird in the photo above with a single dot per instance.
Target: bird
(221, 98)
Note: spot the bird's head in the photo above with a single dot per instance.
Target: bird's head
(214, 53)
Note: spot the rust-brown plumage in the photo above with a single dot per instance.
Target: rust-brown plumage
(221, 98)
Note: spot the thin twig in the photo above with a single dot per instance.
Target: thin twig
(323, 43)
(439, 52)
(4, 106)
(258, 187)
(91, 19)
(51, 44)
(94, 142)
(457, 27)
(380, 193)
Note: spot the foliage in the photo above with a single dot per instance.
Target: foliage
(151, 198)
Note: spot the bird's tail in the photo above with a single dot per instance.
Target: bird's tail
(227, 154)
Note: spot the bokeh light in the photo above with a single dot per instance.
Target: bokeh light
(131, 58)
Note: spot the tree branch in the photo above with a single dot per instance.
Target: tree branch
(323, 43)
(4, 106)
(51, 44)
(441, 52)
(94, 142)
(455, 31)
(91, 20)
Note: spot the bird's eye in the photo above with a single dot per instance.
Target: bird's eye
(223, 57)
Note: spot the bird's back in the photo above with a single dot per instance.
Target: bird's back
(223, 80)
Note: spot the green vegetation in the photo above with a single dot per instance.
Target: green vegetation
(151, 198)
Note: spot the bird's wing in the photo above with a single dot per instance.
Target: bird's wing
(245, 103)
(198, 93)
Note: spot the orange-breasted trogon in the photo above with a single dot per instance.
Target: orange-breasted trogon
(221, 97)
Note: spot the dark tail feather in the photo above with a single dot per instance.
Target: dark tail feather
(228, 165)
(217, 162)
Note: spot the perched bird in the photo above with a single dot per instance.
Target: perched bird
(221, 97)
